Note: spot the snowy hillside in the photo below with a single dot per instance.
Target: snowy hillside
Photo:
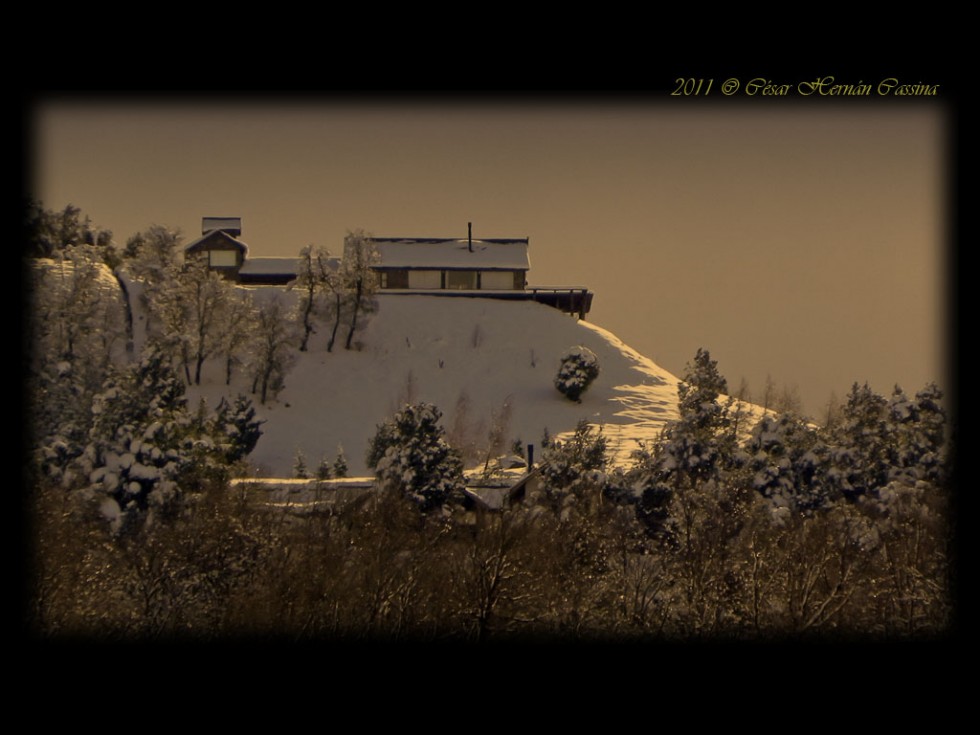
(471, 357)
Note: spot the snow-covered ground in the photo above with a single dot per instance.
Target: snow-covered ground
(479, 360)
(471, 357)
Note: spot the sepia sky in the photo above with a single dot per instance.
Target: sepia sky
(804, 242)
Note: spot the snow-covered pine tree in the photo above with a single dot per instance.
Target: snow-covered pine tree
(574, 470)
(579, 368)
(693, 452)
(340, 468)
(140, 444)
(299, 466)
(860, 458)
(787, 462)
(410, 455)
(323, 469)
(237, 428)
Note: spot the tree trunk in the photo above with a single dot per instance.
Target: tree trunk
(357, 307)
(307, 324)
(336, 325)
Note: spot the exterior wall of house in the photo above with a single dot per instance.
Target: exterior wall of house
(425, 279)
(497, 280)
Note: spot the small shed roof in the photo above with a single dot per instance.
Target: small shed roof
(429, 253)
(270, 266)
(231, 225)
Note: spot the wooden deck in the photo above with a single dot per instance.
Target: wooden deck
(575, 300)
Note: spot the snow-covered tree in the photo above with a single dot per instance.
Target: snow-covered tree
(273, 342)
(579, 368)
(141, 442)
(697, 449)
(340, 468)
(787, 462)
(76, 328)
(574, 470)
(314, 278)
(299, 466)
(49, 232)
(919, 446)
(860, 458)
(205, 297)
(359, 279)
(237, 428)
(153, 257)
(410, 455)
(236, 330)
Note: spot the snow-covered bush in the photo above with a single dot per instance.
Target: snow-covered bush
(410, 453)
(579, 368)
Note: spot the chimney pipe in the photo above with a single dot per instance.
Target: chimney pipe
(469, 237)
(530, 457)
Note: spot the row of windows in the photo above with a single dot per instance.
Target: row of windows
(455, 279)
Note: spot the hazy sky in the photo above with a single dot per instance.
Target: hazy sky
(805, 242)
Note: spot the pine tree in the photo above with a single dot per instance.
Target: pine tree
(695, 451)
(145, 449)
(340, 468)
(323, 469)
(574, 470)
(787, 462)
(410, 455)
(237, 428)
(299, 466)
(861, 441)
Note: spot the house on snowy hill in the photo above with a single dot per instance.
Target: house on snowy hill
(477, 267)
(448, 263)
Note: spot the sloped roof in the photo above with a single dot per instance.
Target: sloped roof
(212, 238)
(429, 253)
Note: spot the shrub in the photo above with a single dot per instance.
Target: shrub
(579, 367)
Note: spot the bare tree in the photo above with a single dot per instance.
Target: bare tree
(315, 277)
(360, 280)
(206, 295)
(272, 347)
(236, 330)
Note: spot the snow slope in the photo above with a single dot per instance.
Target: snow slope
(471, 357)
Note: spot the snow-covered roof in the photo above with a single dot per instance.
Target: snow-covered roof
(214, 237)
(426, 253)
(267, 266)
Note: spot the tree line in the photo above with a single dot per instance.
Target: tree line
(781, 529)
